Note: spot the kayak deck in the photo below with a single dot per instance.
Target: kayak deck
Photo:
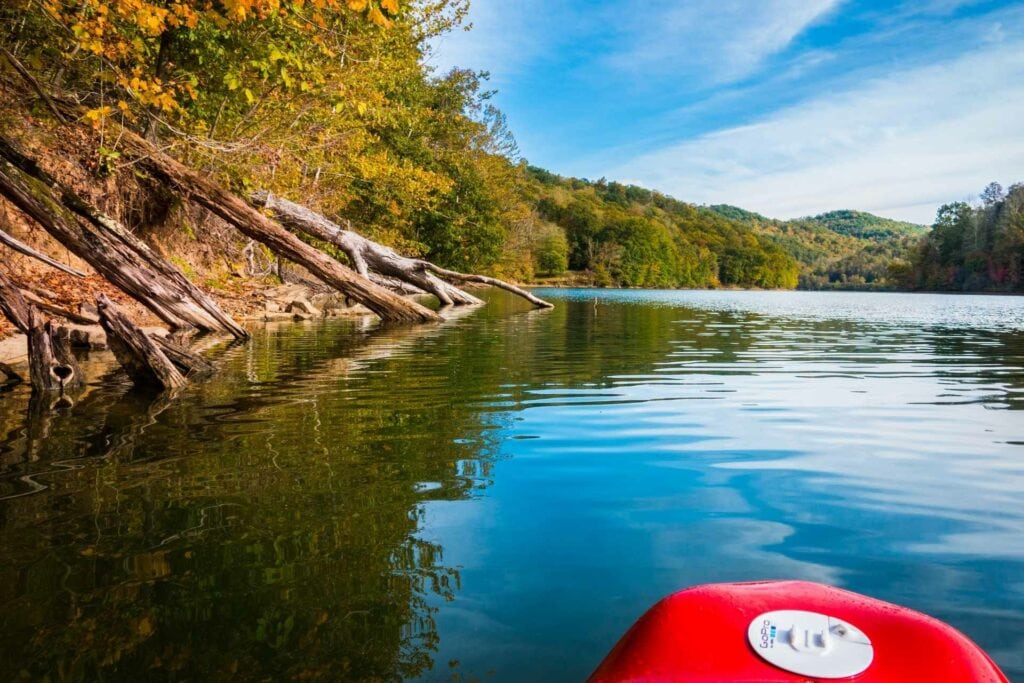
(700, 635)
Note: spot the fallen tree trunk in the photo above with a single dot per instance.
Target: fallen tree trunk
(368, 257)
(52, 367)
(139, 355)
(222, 203)
(108, 247)
(371, 258)
(485, 280)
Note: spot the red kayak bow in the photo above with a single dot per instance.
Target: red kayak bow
(791, 632)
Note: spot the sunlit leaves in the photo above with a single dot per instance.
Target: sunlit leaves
(159, 51)
(95, 116)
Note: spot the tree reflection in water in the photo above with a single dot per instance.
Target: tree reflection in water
(261, 528)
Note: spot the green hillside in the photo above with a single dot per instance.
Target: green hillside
(626, 235)
(839, 249)
(867, 226)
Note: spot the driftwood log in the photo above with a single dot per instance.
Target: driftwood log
(250, 222)
(108, 246)
(371, 258)
(52, 367)
(140, 356)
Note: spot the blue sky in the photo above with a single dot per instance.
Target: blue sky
(786, 107)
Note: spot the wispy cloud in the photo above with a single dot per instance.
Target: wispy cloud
(504, 37)
(721, 40)
(898, 145)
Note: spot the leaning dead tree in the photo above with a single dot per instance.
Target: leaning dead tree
(250, 222)
(372, 259)
(52, 367)
(108, 246)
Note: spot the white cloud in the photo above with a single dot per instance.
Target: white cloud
(505, 36)
(719, 40)
(716, 40)
(900, 145)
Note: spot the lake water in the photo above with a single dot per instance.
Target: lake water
(498, 497)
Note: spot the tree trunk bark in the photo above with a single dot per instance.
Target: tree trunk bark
(52, 367)
(108, 247)
(139, 355)
(13, 304)
(370, 258)
(388, 305)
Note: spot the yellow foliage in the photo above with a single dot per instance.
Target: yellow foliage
(95, 116)
(126, 35)
(377, 17)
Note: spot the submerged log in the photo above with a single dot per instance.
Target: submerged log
(108, 247)
(250, 222)
(188, 363)
(139, 355)
(371, 258)
(11, 376)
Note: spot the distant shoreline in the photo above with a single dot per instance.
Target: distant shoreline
(535, 285)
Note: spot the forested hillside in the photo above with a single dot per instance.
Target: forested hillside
(630, 236)
(867, 226)
(972, 247)
(839, 249)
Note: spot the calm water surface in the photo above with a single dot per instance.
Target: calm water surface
(499, 496)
